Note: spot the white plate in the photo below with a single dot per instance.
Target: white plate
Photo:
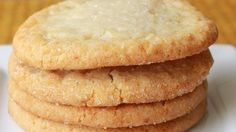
(221, 115)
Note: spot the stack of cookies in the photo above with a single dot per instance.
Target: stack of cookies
(111, 65)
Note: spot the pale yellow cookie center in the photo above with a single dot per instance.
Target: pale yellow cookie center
(118, 19)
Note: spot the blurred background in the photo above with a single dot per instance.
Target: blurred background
(14, 12)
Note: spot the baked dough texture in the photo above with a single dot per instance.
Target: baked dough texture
(111, 117)
(88, 34)
(111, 66)
(116, 85)
(32, 123)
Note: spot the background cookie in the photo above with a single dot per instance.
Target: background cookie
(111, 117)
(85, 34)
(116, 85)
(30, 122)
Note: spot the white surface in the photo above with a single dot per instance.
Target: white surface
(221, 115)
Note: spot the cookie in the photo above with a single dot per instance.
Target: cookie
(32, 123)
(116, 85)
(89, 34)
(111, 117)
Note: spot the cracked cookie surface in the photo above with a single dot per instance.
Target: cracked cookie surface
(126, 115)
(116, 85)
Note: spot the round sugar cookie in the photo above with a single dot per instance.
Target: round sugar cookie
(30, 122)
(116, 85)
(88, 34)
(111, 117)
